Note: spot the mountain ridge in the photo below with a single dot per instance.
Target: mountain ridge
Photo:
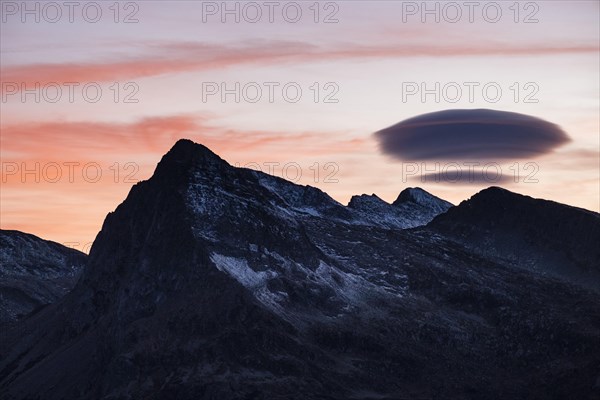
(542, 235)
(214, 282)
(35, 272)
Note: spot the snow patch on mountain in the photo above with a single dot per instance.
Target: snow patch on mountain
(239, 269)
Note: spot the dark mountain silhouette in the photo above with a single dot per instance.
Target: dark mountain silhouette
(34, 273)
(546, 237)
(213, 282)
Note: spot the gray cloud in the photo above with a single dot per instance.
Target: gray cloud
(460, 177)
(479, 134)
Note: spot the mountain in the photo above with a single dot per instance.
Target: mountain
(34, 273)
(546, 237)
(214, 282)
(419, 197)
(414, 207)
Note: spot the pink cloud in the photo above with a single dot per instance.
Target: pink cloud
(170, 58)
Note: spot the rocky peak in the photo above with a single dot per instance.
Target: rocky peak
(364, 201)
(421, 197)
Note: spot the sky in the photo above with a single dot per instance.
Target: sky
(94, 93)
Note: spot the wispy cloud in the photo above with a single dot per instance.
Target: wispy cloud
(154, 135)
(178, 57)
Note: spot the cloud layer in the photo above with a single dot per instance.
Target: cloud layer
(178, 57)
(465, 177)
(479, 134)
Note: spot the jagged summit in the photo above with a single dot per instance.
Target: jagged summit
(209, 178)
(415, 194)
(414, 207)
(187, 152)
(187, 146)
(419, 196)
(365, 199)
(185, 155)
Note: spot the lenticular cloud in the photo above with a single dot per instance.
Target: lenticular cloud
(479, 134)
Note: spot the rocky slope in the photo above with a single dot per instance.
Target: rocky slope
(33, 273)
(413, 207)
(543, 236)
(211, 282)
